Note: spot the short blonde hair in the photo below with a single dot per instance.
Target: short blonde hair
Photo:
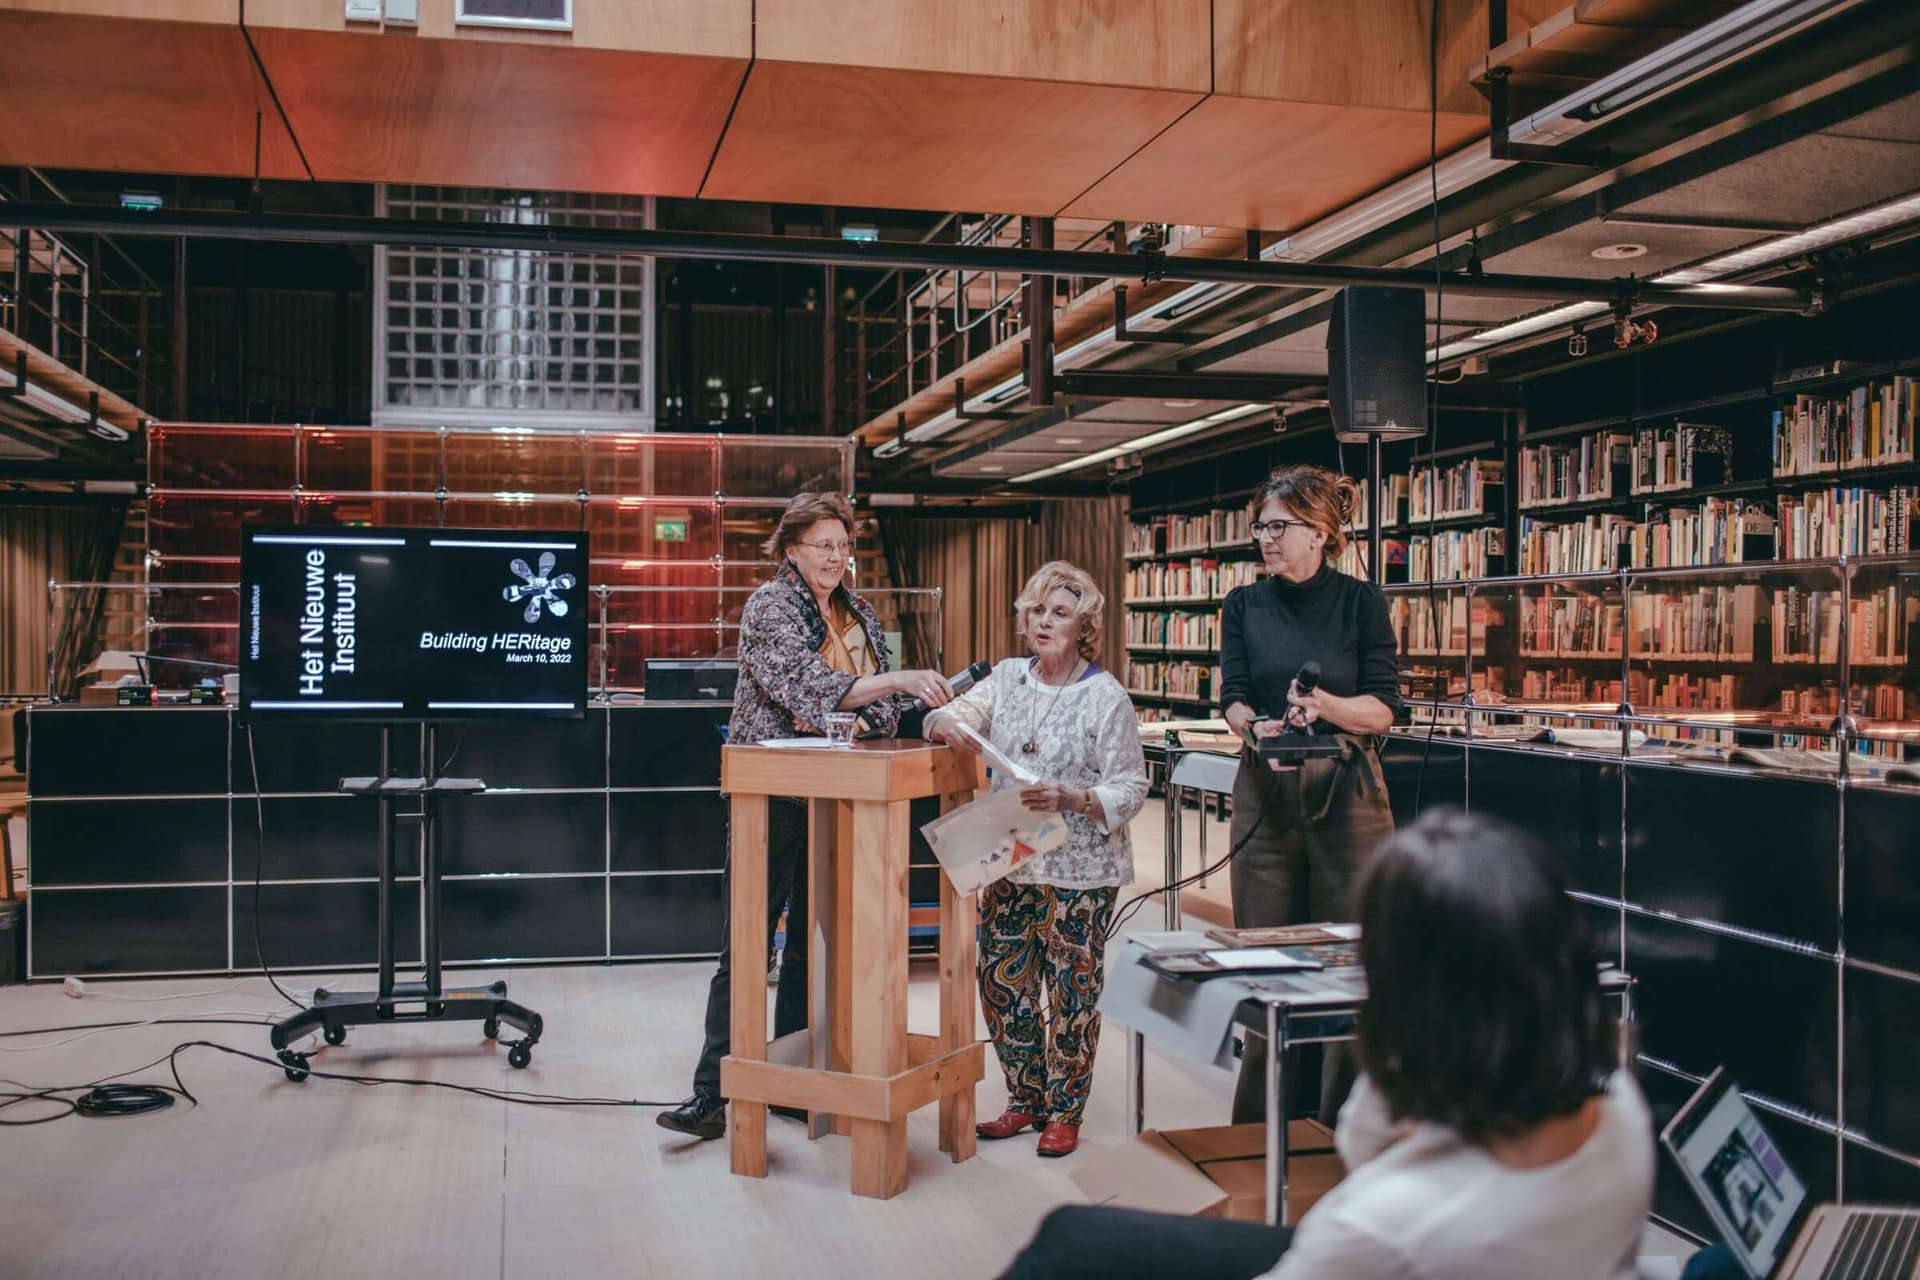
(1058, 575)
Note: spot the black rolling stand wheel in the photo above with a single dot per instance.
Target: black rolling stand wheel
(336, 1035)
(295, 1063)
(490, 1028)
(520, 1055)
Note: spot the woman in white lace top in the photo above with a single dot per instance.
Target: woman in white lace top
(1043, 928)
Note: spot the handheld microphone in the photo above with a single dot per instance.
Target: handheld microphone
(958, 683)
(1308, 678)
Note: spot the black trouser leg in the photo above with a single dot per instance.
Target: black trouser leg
(1082, 1242)
(786, 883)
(1300, 867)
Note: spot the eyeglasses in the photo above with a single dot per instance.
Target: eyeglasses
(835, 550)
(1275, 529)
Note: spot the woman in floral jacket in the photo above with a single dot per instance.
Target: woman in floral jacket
(808, 647)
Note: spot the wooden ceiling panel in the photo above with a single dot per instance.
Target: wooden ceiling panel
(401, 107)
(697, 28)
(1245, 162)
(83, 91)
(1371, 53)
(1157, 44)
(811, 134)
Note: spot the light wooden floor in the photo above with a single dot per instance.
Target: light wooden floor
(270, 1178)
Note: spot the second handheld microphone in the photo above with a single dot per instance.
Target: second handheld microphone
(960, 683)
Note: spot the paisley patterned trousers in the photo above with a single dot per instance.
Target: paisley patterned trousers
(1034, 936)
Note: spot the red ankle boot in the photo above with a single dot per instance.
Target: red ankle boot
(1059, 1139)
(1011, 1122)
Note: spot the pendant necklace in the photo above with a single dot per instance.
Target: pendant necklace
(1032, 745)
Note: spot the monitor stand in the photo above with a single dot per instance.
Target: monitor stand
(424, 1001)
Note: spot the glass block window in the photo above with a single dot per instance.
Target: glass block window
(490, 336)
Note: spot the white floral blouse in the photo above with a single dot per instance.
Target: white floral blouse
(1085, 735)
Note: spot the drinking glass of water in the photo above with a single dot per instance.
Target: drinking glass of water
(840, 726)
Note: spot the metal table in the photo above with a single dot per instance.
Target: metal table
(1196, 1019)
(1208, 768)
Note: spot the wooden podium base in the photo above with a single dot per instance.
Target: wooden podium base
(855, 1070)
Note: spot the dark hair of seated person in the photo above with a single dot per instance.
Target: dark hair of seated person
(1483, 1010)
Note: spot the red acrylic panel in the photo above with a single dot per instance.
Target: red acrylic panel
(686, 575)
(494, 513)
(210, 526)
(195, 456)
(657, 606)
(368, 509)
(747, 526)
(635, 464)
(778, 467)
(362, 461)
(509, 460)
(652, 529)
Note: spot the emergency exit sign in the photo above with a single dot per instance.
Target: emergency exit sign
(670, 530)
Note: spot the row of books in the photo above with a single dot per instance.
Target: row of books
(1704, 624)
(1393, 502)
(1592, 468)
(1685, 455)
(1470, 488)
(1881, 700)
(1870, 426)
(1570, 626)
(1196, 579)
(1183, 534)
(1848, 521)
(1421, 624)
(1174, 630)
(1194, 680)
(1454, 554)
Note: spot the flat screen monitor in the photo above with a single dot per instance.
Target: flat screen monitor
(352, 623)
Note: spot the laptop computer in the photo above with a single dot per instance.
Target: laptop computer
(1761, 1205)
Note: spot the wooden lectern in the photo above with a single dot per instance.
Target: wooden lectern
(855, 1069)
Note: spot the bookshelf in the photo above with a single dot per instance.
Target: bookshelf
(1512, 559)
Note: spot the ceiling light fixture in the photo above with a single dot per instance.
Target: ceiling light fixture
(1619, 252)
(1166, 435)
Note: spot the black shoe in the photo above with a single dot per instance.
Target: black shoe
(703, 1116)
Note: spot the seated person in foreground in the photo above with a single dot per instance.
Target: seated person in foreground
(1491, 1135)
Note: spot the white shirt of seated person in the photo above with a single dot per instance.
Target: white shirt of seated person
(1419, 1202)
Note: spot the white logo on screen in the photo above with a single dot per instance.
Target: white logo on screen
(541, 590)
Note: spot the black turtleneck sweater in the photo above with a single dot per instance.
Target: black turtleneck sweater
(1270, 628)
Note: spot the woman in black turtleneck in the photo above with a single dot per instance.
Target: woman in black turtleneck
(1317, 822)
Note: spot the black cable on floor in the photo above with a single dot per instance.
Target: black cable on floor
(259, 868)
(103, 1097)
(1433, 416)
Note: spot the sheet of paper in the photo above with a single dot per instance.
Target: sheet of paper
(998, 760)
(798, 744)
(980, 842)
(1259, 958)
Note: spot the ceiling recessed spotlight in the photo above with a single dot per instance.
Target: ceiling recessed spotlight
(1070, 439)
(1179, 404)
(992, 468)
(1617, 252)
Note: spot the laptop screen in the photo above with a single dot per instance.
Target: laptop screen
(1739, 1173)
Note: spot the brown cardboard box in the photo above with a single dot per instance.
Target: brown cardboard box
(1217, 1172)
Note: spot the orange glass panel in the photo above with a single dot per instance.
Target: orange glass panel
(368, 509)
(649, 529)
(512, 461)
(629, 648)
(494, 513)
(778, 467)
(646, 465)
(210, 526)
(192, 456)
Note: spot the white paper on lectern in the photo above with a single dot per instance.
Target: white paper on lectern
(982, 841)
(998, 760)
(798, 744)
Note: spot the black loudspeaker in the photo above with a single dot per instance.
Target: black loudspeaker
(1377, 363)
